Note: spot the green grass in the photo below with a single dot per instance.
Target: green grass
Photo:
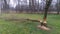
(28, 27)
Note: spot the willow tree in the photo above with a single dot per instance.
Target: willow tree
(44, 22)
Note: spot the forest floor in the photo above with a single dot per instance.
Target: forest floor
(16, 24)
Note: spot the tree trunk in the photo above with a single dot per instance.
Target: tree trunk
(58, 6)
(31, 5)
(5, 4)
(48, 3)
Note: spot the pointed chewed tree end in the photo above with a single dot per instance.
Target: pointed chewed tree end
(43, 28)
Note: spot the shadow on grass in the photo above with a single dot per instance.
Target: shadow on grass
(21, 19)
